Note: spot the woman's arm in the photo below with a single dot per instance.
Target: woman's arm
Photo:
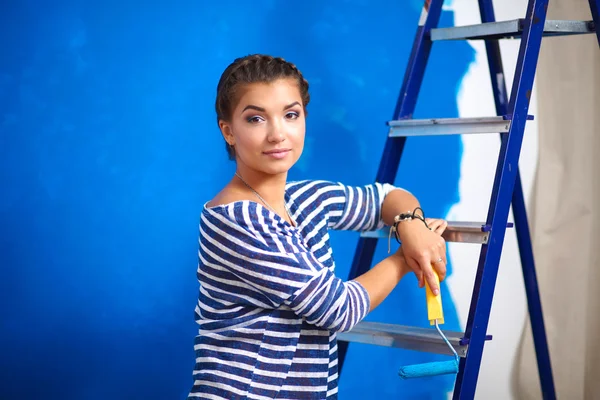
(258, 266)
(396, 202)
(380, 280)
(424, 249)
(356, 208)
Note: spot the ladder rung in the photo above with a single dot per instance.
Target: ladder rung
(457, 231)
(510, 29)
(448, 126)
(406, 337)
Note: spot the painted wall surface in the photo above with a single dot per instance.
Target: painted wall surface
(109, 147)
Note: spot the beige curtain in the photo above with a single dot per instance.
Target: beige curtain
(565, 213)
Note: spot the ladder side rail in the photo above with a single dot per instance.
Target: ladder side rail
(520, 214)
(504, 181)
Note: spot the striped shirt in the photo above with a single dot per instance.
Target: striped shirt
(270, 304)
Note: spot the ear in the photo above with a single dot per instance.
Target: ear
(226, 132)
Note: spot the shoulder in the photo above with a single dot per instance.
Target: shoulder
(241, 212)
(228, 195)
(240, 221)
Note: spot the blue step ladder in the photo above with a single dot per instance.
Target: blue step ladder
(507, 189)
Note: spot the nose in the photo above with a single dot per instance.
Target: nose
(276, 132)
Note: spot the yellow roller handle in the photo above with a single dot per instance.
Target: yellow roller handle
(435, 311)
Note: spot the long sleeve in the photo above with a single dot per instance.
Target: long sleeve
(263, 263)
(358, 207)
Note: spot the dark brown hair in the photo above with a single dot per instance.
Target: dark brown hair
(254, 68)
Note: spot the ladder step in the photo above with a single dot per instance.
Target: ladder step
(407, 337)
(448, 126)
(510, 30)
(457, 231)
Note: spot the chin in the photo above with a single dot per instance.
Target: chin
(276, 167)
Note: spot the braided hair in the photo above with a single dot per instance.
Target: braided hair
(254, 68)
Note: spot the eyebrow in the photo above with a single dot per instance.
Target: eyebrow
(257, 108)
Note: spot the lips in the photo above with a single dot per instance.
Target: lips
(277, 151)
(277, 154)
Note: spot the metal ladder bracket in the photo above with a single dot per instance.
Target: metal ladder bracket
(450, 126)
(511, 29)
(406, 337)
(457, 231)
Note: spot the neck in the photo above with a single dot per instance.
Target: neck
(269, 187)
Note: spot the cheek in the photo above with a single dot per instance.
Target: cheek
(298, 132)
(248, 140)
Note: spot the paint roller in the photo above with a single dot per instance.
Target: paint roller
(435, 314)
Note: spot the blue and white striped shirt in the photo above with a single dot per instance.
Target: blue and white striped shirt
(270, 305)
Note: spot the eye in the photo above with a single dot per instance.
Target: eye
(254, 119)
(292, 115)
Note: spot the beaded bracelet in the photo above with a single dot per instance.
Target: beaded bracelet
(408, 216)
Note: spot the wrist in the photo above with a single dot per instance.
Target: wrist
(405, 227)
(403, 267)
(400, 263)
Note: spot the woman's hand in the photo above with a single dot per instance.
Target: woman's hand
(424, 250)
(437, 225)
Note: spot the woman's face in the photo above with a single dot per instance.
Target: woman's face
(267, 126)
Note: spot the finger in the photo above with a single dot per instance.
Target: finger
(439, 263)
(440, 248)
(420, 279)
(439, 266)
(432, 280)
(434, 224)
(441, 227)
(417, 270)
(425, 263)
(440, 269)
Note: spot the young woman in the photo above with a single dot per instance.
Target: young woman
(270, 305)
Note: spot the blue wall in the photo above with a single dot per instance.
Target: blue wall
(109, 146)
